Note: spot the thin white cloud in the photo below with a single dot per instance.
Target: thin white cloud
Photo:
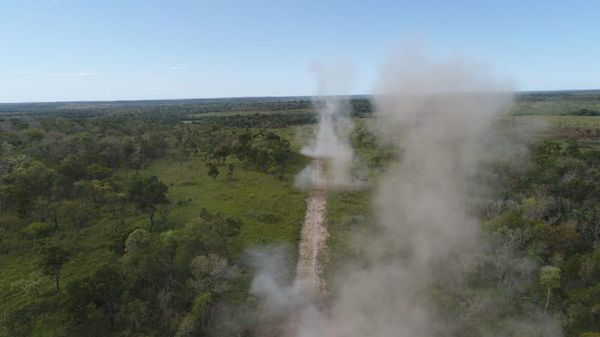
(177, 68)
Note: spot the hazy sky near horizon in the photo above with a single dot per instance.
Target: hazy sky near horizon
(53, 50)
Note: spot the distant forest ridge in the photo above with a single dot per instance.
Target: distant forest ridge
(184, 107)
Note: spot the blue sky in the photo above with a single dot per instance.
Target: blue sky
(54, 50)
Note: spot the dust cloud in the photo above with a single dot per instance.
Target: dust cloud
(331, 139)
(426, 268)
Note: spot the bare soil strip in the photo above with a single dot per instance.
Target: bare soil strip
(314, 233)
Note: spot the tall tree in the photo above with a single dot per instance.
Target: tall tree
(99, 290)
(218, 230)
(53, 258)
(79, 214)
(213, 171)
(550, 279)
(35, 230)
(147, 194)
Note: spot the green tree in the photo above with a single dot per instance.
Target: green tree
(546, 152)
(102, 289)
(550, 280)
(97, 172)
(37, 229)
(95, 192)
(213, 171)
(53, 211)
(52, 259)
(221, 153)
(24, 180)
(72, 169)
(147, 194)
(219, 230)
(78, 212)
(230, 169)
(147, 263)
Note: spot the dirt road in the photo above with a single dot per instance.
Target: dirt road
(314, 233)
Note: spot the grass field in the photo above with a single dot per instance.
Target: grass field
(250, 197)
(558, 121)
(556, 103)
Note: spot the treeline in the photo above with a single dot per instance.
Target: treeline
(271, 120)
(585, 112)
(178, 110)
(558, 95)
(74, 109)
(173, 109)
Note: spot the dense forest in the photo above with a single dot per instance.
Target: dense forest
(132, 218)
(548, 211)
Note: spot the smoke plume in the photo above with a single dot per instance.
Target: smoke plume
(426, 269)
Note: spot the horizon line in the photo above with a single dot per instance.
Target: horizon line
(257, 97)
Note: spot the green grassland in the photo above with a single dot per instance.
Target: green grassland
(560, 121)
(250, 197)
(556, 103)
